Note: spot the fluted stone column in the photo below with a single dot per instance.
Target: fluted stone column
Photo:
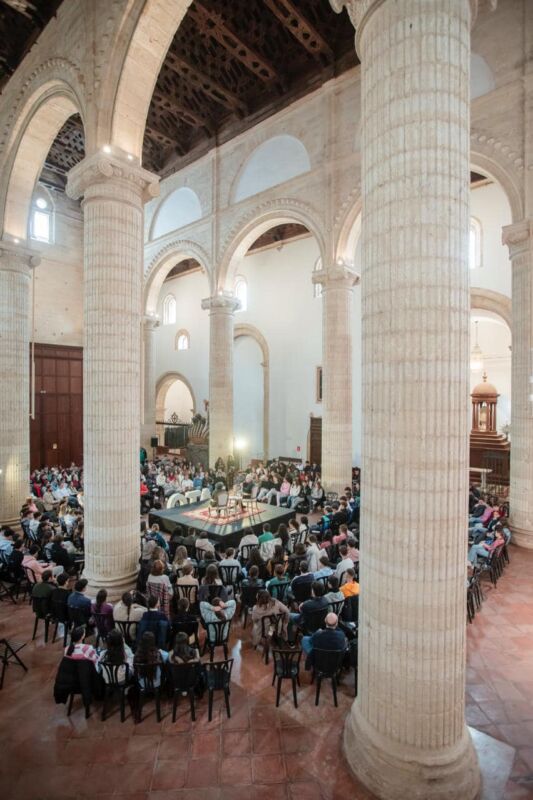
(15, 269)
(148, 428)
(519, 238)
(113, 195)
(221, 309)
(337, 293)
(406, 735)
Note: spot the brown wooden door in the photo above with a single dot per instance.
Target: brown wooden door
(315, 440)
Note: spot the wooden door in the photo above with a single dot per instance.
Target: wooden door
(315, 440)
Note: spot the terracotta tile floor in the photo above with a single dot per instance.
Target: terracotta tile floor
(284, 754)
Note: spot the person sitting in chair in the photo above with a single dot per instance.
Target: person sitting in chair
(330, 638)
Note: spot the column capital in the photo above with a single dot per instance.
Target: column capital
(360, 11)
(151, 322)
(518, 236)
(113, 169)
(339, 276)
(225, 303)
(17, 258)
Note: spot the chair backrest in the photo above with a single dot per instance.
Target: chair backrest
(331, 497)
(31, 577)
(230, 575)
(336, 607)
(327, 662)
(273, 623)
(222, 499)
(249, 595)
(254, 492)
(279, 590)
(323, 579)
(78, 615)
(218, 632)
(59, 609)
(147, 673)
(215, 590)
(115, 674)
(246, 551)
(189, 591)
(287, 662)
(301, 591)
(315, 620)
(190, 628)
(184, 676)
(128, 630)
(40, 606)
(218, 674)
(159, 627)
(300, 537)
(206, 495)
(103, 622)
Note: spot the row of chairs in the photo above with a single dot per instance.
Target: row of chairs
(493, 568)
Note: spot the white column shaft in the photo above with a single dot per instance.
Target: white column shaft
(149, 381)
(406, 736)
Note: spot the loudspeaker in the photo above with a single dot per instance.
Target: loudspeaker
(154, 441)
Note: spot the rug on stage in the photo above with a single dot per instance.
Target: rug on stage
(215, 519)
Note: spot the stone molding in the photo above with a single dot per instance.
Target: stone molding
(518, 237)
(104, 168)
(221, 304)
(150, 323)
(15, 258)
(337, 277)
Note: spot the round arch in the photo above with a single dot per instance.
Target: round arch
(489, 166)
(162, 263)
(495, 302)
(251, 331)
(31, 137)
(251, 226)
(350, 232)
(163, 385)
(153, 34)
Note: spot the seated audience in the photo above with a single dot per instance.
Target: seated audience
(149, 655)
(116, 654)
(44, 589)
(182, 652)
(350, 587)
(330, 638)
(105, 612)
(77, 649)
(344, 564)
(78, 600)
(266, 606)
(212, 579)
(158, 585)
(217, 610)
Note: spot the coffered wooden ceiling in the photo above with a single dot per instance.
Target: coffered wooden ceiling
(230, 65)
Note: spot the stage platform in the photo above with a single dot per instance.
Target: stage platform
(226, 531)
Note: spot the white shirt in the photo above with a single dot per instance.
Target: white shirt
(343, 565)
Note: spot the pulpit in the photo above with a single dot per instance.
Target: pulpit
(488, 449)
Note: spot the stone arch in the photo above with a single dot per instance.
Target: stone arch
(155, 28)
(163, 261)
(497, 303)
(483, 160)
(250, 330)
(169, 216)
(349, 229)
(258, 221)
(274, 161)
(46, 102)
(163, 385)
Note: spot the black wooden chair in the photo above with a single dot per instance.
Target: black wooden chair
(230, 576)
(271, 631)
(327, 664)
(301, 591)
(287, 666)
(41, 609)
(189, 628)
(313, 620)
(103, 623)
(148, 678)
(29, 582)
(116, 679)
(9, 654)
(216, 635)
(350, 611)
(248, 601)
(336, 607)
(187, 591)
(245, 552)
(324, 580)
(218, 677)
(128, 630)
(59, 615)
(184, 680)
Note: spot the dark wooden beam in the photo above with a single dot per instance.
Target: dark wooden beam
(199, 80)
(213, 25)
(299, 26)
(185, 113)
(160, 136)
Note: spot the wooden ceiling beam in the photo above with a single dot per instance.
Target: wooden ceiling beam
(204, 83)
(185, 113)
(212, 24)
(160, 136)
(299, 26)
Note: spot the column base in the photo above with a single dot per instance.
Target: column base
(12, 522)
(115, 587)
(394, 772)
(522, 537)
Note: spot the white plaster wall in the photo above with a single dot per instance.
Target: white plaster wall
(59, 279)
(248, 397)
(489, 205)
(494, 339)
(179, 401)
(189, 290)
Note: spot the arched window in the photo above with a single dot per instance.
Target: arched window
(169, 310)
(183, 341)
(474, 244)
(42, 216)
(241, 292)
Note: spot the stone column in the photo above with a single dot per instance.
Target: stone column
(221, 309)
(406, 735)
(113, 191)
(519, 238)
(148, 428)
(15, 268)
(337, 285)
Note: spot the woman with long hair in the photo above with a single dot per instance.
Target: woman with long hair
(256, 560)
(211, 580)
(182, 652)
(117, 654)
(149, 655)
(278, 557)
(104, 621)
(266, 606)
(77, 649)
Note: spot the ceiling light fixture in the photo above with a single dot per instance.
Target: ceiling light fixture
(476, 356)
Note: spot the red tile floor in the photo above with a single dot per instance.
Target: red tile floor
(261, 752)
